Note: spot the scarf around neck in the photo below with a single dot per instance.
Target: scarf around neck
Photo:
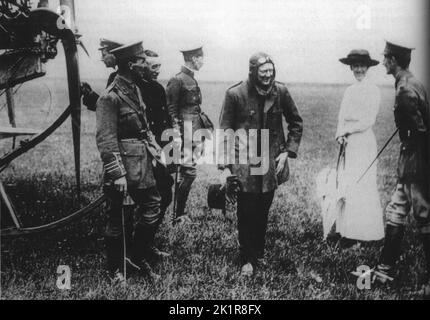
(265, 92)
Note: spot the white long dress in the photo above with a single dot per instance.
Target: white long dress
(361, 218)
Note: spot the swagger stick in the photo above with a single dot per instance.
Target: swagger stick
(175, 196)
(127, 202)
(379, 154)
(124, 257)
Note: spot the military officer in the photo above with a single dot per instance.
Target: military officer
(125, 144)
(184, 99)
(412, 118)
(154, 97)
(259, 103)
(89, 96)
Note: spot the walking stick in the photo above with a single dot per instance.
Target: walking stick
(126, 202)
(175, 196)
(124, 246)
(379, 154)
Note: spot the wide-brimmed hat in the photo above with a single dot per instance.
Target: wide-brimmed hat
(359, 55)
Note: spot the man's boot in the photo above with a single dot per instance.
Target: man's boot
(164, 185)
(143, 238)
(182, 197)
(150, 251)
(390, 252)
(425, 238)
(114, 256)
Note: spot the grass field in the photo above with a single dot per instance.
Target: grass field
(204, 262)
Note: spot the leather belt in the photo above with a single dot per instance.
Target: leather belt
(412, 134)
(143, 135)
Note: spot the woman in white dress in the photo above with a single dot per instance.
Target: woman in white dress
(361, 218)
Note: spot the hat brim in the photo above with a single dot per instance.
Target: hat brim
(193, 52)
(369, 63)
(141, 55)
(134, 56)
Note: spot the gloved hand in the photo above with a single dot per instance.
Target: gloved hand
(120, 185)
(85, 89)
(342, 140)
(281, 161)
(232, 189)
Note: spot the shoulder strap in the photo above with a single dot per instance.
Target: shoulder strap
(127, 100)
(110, 87)
(139, 110)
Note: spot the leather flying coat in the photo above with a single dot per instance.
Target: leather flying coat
(244, 108)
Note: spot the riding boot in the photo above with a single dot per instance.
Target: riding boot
(183, 193)
(114, 255)
(393, 240)
(180, 207)
(143, 239)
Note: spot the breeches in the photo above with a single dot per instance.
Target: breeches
(188, 170)
(406, 197)
(252, 215)
(164, 185)
(188, 173)
(147, 213)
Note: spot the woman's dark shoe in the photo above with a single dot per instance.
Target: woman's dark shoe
(346, 243)
(333, 238)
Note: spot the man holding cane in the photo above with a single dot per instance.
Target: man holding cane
(128, 151)
(411, 194)
(184, 101)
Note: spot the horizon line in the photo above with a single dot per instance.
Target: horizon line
(234, 81)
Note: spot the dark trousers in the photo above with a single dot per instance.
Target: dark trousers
(164, 185)
(187, 177)
(140, 225)
(252, 215)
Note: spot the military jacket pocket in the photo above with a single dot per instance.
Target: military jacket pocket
(129, 123)
(274, 124)
(411, 164)
(133, 156)
(193, 95)
(274, 118)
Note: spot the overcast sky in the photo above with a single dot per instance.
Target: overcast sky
(305, 37)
